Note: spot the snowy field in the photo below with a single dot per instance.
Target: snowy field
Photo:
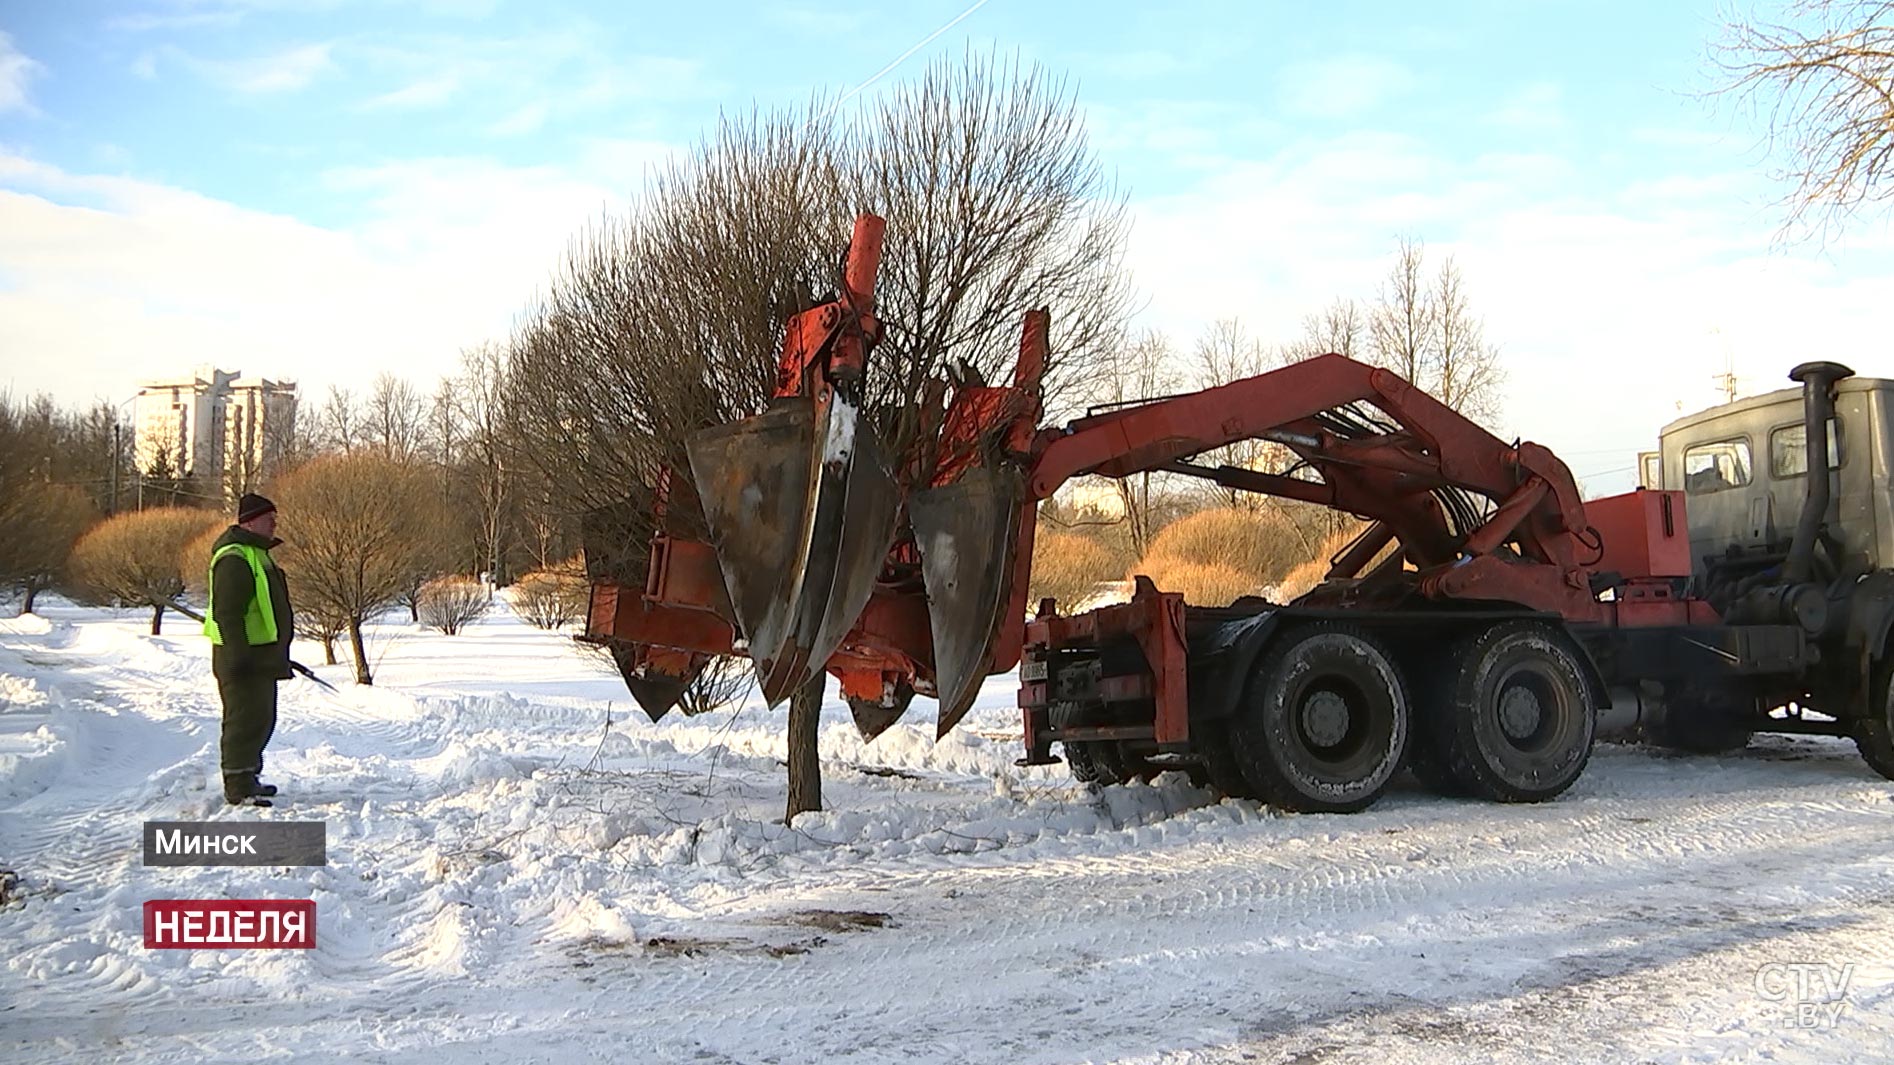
(511, 879)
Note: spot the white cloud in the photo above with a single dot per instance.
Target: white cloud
(111, 279)
(17, 71)
(1344, 86)
(517, 83)
(428, 92)
(1536, 108)
(284, 71)
(1601, 296)
(521, 121)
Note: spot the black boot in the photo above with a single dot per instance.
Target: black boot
(241, 789)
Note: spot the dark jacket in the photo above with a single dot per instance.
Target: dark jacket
(233, 587)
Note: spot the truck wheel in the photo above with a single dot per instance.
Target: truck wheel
(1212, 740)
(1079, 761)
(1513, 719)
(1109, 757)
(1090, 763)
(1324, 723)
(1874, 734)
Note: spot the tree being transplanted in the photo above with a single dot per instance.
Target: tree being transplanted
(353, 526)
(669, 320)
(135, 558)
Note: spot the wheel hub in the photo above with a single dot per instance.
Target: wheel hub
(1520, 712)
(1325, 718)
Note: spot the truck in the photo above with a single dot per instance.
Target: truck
(1484, 630)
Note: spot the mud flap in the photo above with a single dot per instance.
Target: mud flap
(801, 509)
(965, 532)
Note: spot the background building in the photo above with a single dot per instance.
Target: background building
(221, 430)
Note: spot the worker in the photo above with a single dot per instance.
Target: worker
(250, 625)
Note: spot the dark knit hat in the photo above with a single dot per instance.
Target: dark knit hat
(252, 505)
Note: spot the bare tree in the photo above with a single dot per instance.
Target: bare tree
(1401, 325)
(338, 422)
(1465, 371)
(394, 418)
(1146, 369)
(1824, 78)
(1226, 353)
(442, 437)
(39, 526)
(485, 471)
(352, 527)
(1339, 328)
(134, 558)
(450, 604)
(996, 204)
(432, 555)
(1424, 329)
(322, 622)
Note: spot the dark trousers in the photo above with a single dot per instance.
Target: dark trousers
(249, 721)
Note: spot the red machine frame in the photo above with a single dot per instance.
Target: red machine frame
(1525, 550)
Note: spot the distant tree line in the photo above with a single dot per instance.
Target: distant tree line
(385, 496)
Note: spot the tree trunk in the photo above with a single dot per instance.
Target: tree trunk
(328, 649)
(157, 617)
(805, 766)
(32, 593)
(361, 655)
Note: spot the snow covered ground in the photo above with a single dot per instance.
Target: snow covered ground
(512, 879)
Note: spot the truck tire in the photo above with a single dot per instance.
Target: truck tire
(1324, 723)
(1511, 718)
(1090, 763)
(1220, 768)
(1874, 734)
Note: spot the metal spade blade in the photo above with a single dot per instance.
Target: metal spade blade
(965, 532)
(872, 718)
(801, 510)
(656, 692)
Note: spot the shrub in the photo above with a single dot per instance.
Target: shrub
(1202, 583)
(1259, 544)
(1305, 576)
(194, 560)
(39, 526)
(133, 558)
(549, 598)
(451, 603)
(1066, 567)
(354, 526)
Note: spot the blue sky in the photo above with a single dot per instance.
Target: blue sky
(322, 189)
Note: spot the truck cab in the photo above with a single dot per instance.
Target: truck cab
(1743, 469)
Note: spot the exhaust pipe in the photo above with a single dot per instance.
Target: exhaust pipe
(1818, 406)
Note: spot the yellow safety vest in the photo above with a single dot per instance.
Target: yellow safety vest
(259, 621)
